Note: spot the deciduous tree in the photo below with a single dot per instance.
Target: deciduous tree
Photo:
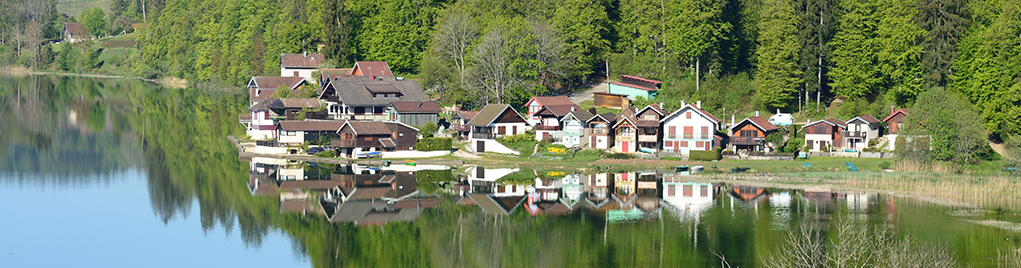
(778, 76)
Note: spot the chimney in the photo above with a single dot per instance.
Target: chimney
(756, 113)
(304, 54)
(572, 108)
(698, 104)
(892, 109)
(777, 110)
(660, 105)
(682, 103)
(731, 120)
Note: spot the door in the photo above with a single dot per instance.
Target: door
(676, 143)
(480, 146)
(514, 130)
(623, 145)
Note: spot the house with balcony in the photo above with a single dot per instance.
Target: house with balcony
(415, 113)
(634, 87)
(750, 134)
(262, 119)
(560, 105)
(493, 121)
(824, 135)
(549, 126)
(366, 97)
(625, 132)
(573, 125)
(861, 130)
(689, 129)
(647, 121)
(263, 87)
(357, 138)
(600, 134)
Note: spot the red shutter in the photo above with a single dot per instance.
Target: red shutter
(688, 115)
(684, 144)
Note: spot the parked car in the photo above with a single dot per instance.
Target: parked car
(314, 150)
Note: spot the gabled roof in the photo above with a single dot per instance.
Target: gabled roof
(644, 80)
(832, 121)
(634, 86)
(303, 60)
(274, 82)
(371, 68)
(490, 113)
(466, 115)
(360, 93)
(894, 114)
(286, 103)
(654, 107)
(493, 205)
(579, 115)
(638, 82)
(554, 101)
(317, 125)
(559, 110)
(416, 107)
(625, 115)
(608, 117)
(694, 108)
(262, 105)
(366, 127)
(865, 118)
(758, 122)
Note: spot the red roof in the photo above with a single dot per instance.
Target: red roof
(467, 115)
(371, 68)
(624, 76)
(901, 111)
(554, 101)
(71, 27)
(301, 60)
(831, 121)
(368, 127)
(633, 85)
(274, 82)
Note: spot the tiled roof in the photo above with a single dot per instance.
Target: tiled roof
(312, 125)
(554, 101)
(368, 127)
(867, 118)
(372, 68)
(634, 86)
(759, 122)
(420, 107)
(581, 115)
(274, 82)
(415, 203)
(894, 114)
(325, 74)
(295, 103)
(72, 27)
(368, 193)
(467, 115)
(645, 80)
(310, 184)
(387, 143)
(359, 93)
(301, 60)
(831, 121)
(560, 110)
(490, 113)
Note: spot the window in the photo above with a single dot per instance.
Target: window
(290, 178)
(368, 139)
(673, 132)
(400, 134)
(687, 115)
(705, 133)
(291, 133)
(684, 144)
(650, 117)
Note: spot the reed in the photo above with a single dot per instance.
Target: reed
(1008, 258)
(999, 192)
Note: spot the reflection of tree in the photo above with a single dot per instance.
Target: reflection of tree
(855, 244)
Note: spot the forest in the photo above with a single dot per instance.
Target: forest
(815, 58)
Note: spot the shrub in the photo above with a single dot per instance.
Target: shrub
(705, 155)
(617, 156)
(792, 145)
(327, 153)
(516, 138)
(434, 144)
(428, 129)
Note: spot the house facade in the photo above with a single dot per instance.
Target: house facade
(366, 98)
(538, 103)
(634, 87)
(575, 133)
(493, 121)
(300, 65)
(824, 134)
(689, 129)
(415, 113)
(861, 130)
(262, 121)
(894, 122)
(75, 32)
(600, 131)
(625, 132)
(360, 137)
(647, 122)
(750, 134)
(549, 126)
(460, 121)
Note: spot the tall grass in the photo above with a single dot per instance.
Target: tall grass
(999, 192)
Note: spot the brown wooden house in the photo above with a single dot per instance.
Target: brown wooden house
(600, 130)
(362, 137)
(647, 121)
(895, 120)
(823, 134)
(750, 134)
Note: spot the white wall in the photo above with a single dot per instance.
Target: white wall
(510, 128)
(815, 138)
(492, 146)
(297, 173)
(679, 121)
(306, 73)
(290, 137)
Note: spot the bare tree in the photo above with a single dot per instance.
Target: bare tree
(549, 52)
(34, 39)
(490, 75)
(454, 37)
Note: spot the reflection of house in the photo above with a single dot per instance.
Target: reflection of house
(548, 190)
(687, 199)
(750, 134)
(634, 87)
(483, 180)
(624, 187)
(689, 129)
(364, 98)
(861, 130)
(358, 137)
(599, 130)
(415, 113)
(859, 202)
(575, 134)
(263, 87)
(491, 122)
(824, 134)
(748, 193)
(573, 188)
(598, 190)
(492, 204)
(301, 65)
(377, 212)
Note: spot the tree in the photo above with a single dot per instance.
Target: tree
(944, 127)
(778, 75)
(336, 30)
(946, 23)
(95, 20)
(397, 32)
(453, 39)
(900, 50)
(490, 72)
(585, 28)
(817, 27)
(697, 27)
(855, 52)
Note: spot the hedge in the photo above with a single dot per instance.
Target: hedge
(434, 144)
(704, 155)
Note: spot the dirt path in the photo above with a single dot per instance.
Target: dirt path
(463, 154)
(585, 95)
(998, 148)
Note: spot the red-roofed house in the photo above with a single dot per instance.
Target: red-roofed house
(750, 134)
(820, 135)
(634, 87)
(300, 65)
(689, 129)
(893, 126)
(560, 104)
(371, 68)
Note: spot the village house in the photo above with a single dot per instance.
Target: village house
(295, 133)
(575, 133)
(600, 131)
(460, 121)
(894, 123)
(750, 134)
(327, 75)
(263, 87)
(861, 131)
(371, 68)
(625, 131)
(75, 32)
(357, 138)
(415, 113)
(634, 87)
(493, 121)
(689, 129)
(824, 134)
(647, 121)
(260, 124)
(560, 105)
(549, 125)
(301, 65)
(366, 97)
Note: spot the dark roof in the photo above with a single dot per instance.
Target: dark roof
(274, 82)
(466, 115)
(416, 107)
(490, 113)
(325, 74)
(759, 122)
(316, 125)
(368, 193)
(294, 103)
(310, 184)
(372, 68)
(72, 27)
(559, 110)
(367, 127)
(415, 203)
(640, 79)
(262, 105)
(300, 60)
(581, 115)
(654, 107)
(608, 117)
(625, 115)
(359, 93)
(831, 121)
(866, 118)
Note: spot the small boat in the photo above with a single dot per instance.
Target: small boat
(371, 155)
(681, 168)
(409, 162)
(740, 169)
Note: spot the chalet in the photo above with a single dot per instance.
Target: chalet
(634, 87)
(371, 68)
(261, 122)
(599, 130)
(749, 194)
(861, 130)
(894, 123)
(647, 120)
(301, 65)
(460, 122)
(365, 98)
(262, 87)
(359, 137)
(573, 125)
(750, 134)
(820, 135)
(689, 129)
(326, 75)
(560, 105)
(549, 125)
(415, 113)
(493, 121)
(75, 32)
(299, 132)
(625, 131)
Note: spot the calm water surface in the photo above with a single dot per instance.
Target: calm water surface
(122, 173)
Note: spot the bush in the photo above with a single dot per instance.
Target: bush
(428, 129)
(616, 156)
(792, 145)
(705, 155)
(516, 138)
(434, 144)
(327, 153)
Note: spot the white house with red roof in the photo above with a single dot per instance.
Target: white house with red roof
(559, 104)
(634, 87)
(300, 65)
(689, 129)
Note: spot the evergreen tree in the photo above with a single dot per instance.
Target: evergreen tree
(778, 75)
(817, 27)
(946, 23)
(585, 28)
(336, 28)
(696, 29)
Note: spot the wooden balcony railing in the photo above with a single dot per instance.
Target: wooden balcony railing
(542, 127)
(747, 140)
(646, 138)
(855, 134)
(338, 143)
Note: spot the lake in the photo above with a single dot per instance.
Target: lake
(124, 173)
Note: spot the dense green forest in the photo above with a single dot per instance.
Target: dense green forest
(818, 58)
